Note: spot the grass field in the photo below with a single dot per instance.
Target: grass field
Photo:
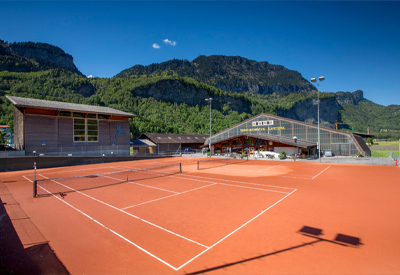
(396, 142)
(382, 153)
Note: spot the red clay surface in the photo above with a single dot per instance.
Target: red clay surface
(257, 217)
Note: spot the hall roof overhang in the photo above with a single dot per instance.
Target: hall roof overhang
(23, 102)
(277, 139)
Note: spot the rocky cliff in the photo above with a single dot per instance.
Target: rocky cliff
(350, 98)
(179, 92)
(307, 111)
(30, 56)
(231, 73)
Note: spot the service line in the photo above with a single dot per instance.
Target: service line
(129, 214)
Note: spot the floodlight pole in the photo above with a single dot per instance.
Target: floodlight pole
(321, 78)
(209, 100)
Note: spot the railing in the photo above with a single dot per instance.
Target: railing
(110, 150)
(394, 156)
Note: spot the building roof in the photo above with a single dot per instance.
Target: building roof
(159, 138)
(64, 106)
(278, 139)
(359, 142)
(286, 119)
(142, 142)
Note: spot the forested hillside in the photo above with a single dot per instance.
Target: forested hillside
(378, 118)
(170, 114)
(232, 73)
(34, 57)
(169, 97)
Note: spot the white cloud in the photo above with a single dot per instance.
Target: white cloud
(167, 41)
(90, 76)
(156, 46)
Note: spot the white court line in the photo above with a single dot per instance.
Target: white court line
(259, 189)
(155, 187)
(240, 182)
(321, 172)
(207, 248)
(253, 188)
(129, 214)
(262, 212)
(105, 227)
(168, 196)
(144, 185)
(269, 168)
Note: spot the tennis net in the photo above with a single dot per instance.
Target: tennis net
(48, 186)
(219, 161)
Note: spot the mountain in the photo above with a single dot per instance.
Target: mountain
(34, 57)
(169, 97)
(232, 73)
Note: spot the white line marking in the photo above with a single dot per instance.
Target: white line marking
(291, 188)
(28, 179)
(129, 214)
(207, 248)
(259, 189)
(262, 212)
(269, 168)
(109, 229)
(154, 187)
(233, 185)
(321, 172)
(168, 196)
(144, 185)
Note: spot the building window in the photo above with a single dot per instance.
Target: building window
(86, 129)
(64, 113)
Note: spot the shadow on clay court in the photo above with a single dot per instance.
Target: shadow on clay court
(341, 239)
(15, 259)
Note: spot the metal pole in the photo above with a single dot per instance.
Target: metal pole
(321, 78)
(319, 138)
(210, 130)
(209, 146)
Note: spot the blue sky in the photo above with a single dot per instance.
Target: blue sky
(354, 44)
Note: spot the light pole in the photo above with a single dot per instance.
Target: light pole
(321, 78)
(209, 100)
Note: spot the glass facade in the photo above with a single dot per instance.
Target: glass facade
(341, 143)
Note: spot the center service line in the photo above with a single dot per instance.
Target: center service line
(127, 213)
(321, 172)
(262, 212)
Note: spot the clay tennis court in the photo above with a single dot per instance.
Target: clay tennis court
(255, 217)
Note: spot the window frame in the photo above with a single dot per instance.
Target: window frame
(86, 136)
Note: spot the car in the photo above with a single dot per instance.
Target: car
(189, 151)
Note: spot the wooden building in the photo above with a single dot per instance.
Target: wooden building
(174, 143)
(60, 128)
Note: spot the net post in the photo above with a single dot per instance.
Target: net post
(180, 167)
(247, 157)
(34, 188)
(197, 165)
(127, 179)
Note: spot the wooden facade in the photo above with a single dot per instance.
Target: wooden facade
(53, 132)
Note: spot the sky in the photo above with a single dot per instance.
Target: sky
(355, 45)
